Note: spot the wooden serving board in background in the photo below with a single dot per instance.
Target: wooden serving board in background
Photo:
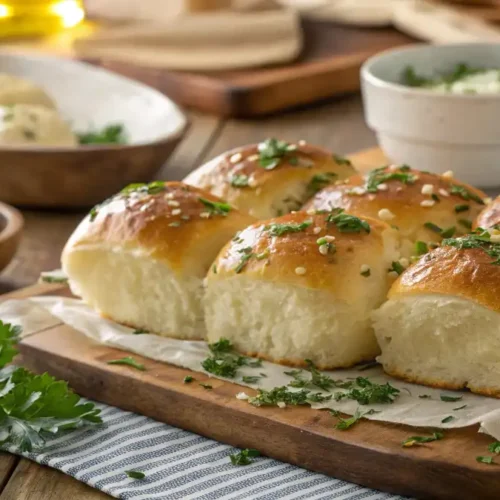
(369, 454)
(329, 66)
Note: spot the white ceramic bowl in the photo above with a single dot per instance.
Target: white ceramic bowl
(89, 98)
(431, 131)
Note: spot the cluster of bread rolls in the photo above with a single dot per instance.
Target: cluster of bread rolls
(305, 259)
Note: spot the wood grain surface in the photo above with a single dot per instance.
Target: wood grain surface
(337, 124)
(369, 454)
(328, 66)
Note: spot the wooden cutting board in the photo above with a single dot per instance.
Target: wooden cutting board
(329, 65)
(369, 454)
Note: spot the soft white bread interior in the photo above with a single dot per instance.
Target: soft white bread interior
(302, 286)
(272, 178)
(424, 207)
(140, 257)
(441, 324)
(490, 216)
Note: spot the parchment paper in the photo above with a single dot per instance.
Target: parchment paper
(43, 312)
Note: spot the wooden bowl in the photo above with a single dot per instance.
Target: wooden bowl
(11, 226)
(89, 98)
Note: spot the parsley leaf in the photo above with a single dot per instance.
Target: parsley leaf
(485, 460)
(207, 387)
(250, 379)
(447, 419)
(247, 255)
(421, 248)
(239, 180)
(276, 229)
(381, 175)
(479, 239)
(112, 134)
(129, 361)
(464, 193)
(366, 392)
(188, 379)
(135, 474)
(347, 423)
(494, 447)
(216, 207)
(285, 395)
(32, 406)
(450, 399)
(272, 151)
(347, 223)
(341, 160)
(244, 457)
(418, 440)
(396, 267)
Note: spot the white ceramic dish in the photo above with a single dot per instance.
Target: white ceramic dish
(89, 98)
(431, 131)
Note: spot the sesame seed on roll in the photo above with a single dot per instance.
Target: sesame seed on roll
(272, 178)
(302, 286)
(140, 257)
(490, 216)
(424, 207)
(441, 323)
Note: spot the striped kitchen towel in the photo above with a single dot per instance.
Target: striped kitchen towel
(179, 465)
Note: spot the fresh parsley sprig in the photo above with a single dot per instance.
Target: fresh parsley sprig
(34, 406)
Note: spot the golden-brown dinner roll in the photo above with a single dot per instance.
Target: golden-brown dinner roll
(302, 286)
(140, 257)
(441, 324)
(490, 216)
(272, 178)
(424, 207)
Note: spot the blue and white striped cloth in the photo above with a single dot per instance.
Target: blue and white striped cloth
(180, 465)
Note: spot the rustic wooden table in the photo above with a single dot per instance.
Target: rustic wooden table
(337, 125)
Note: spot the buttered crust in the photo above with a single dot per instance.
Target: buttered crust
(171, 223)
(267, 190)
(407, 205)
(490, 216)
(467, 273)
(295, 258)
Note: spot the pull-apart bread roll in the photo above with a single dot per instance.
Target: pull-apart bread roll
(302, 286)
(441, 324)
(272, 178)
(424, 207)
(490, 216)
(140, 257)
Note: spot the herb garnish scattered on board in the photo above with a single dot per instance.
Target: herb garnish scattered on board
(128, 361)
(284, 396)
(344, 424)
(111, 134)
(224, 362)
(35, 406)
(244, 457)
(480, 238)
(272, 151)
(419, 440)
(380, 176)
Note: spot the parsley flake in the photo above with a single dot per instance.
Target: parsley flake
(447, 419)
(188, 379)
(478, 239)
(319, 181)
(347, 423)
(494, 447)
(239, 180)
(244, 457)
(419, 440)
(485, 460)
(461, 208)
(341, 160)
(135, 474)
(347, 223)
(285, 395)
(381, 175)
(276, 229)
(111, 134)
(464, 193)
(216, 207)
(450, 399)
(129, 361)
(272, 151)
(207, 387)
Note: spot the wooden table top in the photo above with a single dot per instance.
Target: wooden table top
(337, 124)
